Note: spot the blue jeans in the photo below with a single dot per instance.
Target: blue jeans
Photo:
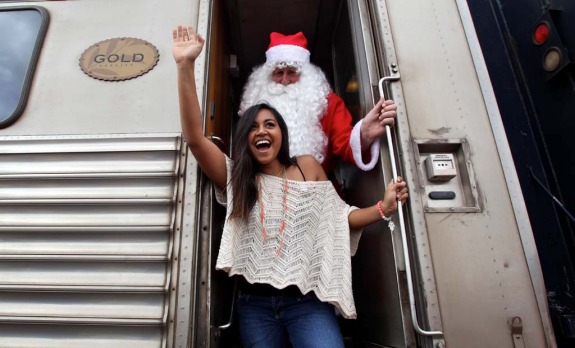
(309, 323)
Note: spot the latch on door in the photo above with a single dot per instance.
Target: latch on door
(446, 175)
(517, 332)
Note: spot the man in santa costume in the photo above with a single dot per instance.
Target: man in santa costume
(318, 122)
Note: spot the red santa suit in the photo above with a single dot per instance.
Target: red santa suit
(343, 140)
(318, 121)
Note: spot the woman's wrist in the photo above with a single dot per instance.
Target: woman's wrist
(382, 210)
(186, 64)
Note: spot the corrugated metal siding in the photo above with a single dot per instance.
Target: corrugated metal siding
(86, 236)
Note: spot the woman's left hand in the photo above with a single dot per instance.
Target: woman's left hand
(395, 191)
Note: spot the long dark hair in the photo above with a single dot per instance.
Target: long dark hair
(245, 168)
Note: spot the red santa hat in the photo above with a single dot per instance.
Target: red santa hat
(287, 48)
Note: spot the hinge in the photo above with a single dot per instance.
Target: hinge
(517, 332)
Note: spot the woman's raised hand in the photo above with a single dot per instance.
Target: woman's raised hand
(187, 44)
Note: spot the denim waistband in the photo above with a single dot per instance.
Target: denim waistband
(259, 289)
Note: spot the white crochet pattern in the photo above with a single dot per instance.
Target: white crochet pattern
(317, 243)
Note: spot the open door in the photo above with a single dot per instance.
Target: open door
(378, 271)
(343, 43)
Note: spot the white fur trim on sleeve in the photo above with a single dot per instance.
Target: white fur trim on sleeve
(355, 143)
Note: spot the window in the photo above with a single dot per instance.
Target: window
(22, 31)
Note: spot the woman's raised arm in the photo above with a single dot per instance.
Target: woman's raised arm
(187, 46)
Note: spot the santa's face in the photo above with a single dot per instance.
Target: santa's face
(285, 76)
(301, 104)
(265, 139)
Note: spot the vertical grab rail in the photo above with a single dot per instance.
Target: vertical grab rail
(418, 329)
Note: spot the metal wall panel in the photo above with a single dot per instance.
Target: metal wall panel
(71, 336)
(474, 266)
(86, 236)
(64, 100)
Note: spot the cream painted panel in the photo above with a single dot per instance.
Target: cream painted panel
(481, 273)
(64, 100)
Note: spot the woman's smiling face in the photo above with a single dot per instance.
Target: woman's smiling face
(265, 138)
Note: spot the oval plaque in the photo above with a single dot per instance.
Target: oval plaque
(119, 59)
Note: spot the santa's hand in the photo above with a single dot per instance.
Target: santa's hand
(373, 125)
(187, 44)
(387, 114)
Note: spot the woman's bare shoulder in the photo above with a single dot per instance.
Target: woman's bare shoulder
(311, 168)
(307, 160)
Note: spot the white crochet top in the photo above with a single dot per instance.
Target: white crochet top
(317, 245)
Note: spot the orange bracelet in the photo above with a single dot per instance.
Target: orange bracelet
(381, 211)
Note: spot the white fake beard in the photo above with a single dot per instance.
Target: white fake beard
(302, 105)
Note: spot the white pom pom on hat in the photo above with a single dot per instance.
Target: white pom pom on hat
(287, 48)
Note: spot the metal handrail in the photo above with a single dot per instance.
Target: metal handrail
(231, 317)
(216, 138)
(418, 329)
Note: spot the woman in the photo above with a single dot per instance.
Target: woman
(288, 236)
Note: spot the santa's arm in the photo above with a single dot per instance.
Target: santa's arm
(364, 160)
(373, 125)
(346, 141)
